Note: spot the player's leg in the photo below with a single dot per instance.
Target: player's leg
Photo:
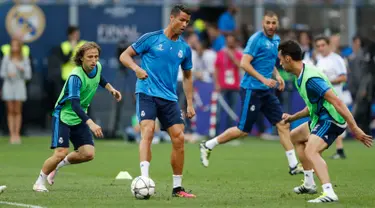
(176, 133)
(18, 120)
(339, 147)
(146, 113)
(84, 150)
(249, 113)
(84, 153)
(299, 137)
(172, 119)
(147, 134)
(60, 144)
(11, 119)
(322, 136)
(271, 108)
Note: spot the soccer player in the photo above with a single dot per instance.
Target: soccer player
(162, 52)
(70, 120)
(329, 119)
(334, 68)
(2, 189)
(259, 60)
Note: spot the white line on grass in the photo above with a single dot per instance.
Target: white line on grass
(20, 205)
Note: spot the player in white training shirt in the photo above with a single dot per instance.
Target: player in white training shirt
(332, 65)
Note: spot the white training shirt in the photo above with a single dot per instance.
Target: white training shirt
(333, 66)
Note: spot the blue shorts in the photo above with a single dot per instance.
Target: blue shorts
(168, 112)
(255, 101)
(79, 134)
(328, 131)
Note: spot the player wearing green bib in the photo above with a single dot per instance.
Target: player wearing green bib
(69, 119)
(329, 118)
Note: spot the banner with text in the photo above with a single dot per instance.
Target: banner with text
(108, 25)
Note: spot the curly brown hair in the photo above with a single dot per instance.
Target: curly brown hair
(81, 52)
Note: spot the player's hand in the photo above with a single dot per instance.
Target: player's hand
(141, 74)
(362, 137)
(116, 94)
(96, 129)
(281, 82)
(270, 83)
(287, 117)
(190, 112)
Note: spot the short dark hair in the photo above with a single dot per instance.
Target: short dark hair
(321, 37)
(180, 8)
(81, 52)
(355, 37)
(270, 14)
(71, 29)
(291, 48)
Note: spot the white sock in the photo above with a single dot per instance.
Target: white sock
(63, 163)
(144, 168)
(327, 188)
(177, 181)
(309, 178)
(292, 159)
(41, 178)
(210, 144)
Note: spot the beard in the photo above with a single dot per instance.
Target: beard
(269, 33)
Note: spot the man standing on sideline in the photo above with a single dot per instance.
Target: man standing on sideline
(333, 66)
(227, 76)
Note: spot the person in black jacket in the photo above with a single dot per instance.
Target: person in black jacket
(365, 95)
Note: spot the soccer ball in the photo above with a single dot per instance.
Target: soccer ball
(142, 187)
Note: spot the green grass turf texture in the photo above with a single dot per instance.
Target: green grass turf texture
(253, 174)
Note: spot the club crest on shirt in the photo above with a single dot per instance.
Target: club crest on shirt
(180, 54)
(268, 45)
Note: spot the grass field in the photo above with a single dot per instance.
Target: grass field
(253, 174)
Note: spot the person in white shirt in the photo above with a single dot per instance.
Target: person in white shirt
(203, 60)
(203, 63)
(332, 65)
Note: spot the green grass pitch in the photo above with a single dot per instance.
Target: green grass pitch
(253, 174)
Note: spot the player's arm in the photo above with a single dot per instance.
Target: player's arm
(300, 114)
(126, 58)
(187, 82)
(103, 83)
(246, 65)
(141, 46)
(345, 113)
(188, 87)
(279, 79)
(74, 86)
(341, 108)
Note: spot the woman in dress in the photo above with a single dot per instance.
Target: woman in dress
(15, 70)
